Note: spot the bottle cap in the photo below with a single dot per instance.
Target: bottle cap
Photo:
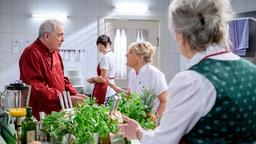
(29, 111)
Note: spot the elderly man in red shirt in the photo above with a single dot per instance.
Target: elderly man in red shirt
(42, 67)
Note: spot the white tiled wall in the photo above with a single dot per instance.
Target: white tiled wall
(250, 5)
(82, 29)
(6, 23)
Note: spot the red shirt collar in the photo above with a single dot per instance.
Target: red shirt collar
(42, 46)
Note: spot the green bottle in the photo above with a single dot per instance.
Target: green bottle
(28, 128)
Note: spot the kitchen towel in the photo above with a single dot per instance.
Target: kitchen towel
(239, 35)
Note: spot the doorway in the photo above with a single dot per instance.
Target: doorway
(150, 29)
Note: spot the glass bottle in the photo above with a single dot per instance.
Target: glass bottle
(28, 128)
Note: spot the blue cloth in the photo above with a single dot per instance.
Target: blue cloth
(239, 35)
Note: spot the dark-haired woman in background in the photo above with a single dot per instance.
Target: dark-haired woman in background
(105, 70)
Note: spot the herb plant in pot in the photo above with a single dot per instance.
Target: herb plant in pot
(89, 119)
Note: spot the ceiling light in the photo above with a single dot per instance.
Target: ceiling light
(50, 16)
(131, 8)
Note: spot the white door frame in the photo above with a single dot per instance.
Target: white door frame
(102, 27)
(102, 30)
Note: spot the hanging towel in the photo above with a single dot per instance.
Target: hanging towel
(239, 35)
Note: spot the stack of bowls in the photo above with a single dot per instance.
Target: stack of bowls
(76, 79)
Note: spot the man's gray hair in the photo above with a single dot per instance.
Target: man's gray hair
(201, 22)
(49, 26)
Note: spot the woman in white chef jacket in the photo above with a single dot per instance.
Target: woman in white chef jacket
(105, 70)
(213, 102)
(144, 76)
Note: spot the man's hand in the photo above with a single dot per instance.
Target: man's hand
(81, 95)
(78, 98)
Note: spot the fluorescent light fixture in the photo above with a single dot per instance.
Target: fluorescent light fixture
(50, 16)
(131, 8)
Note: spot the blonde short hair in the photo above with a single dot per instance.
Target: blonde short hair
(145, 49)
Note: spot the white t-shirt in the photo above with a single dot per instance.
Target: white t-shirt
(107, 62)
(149, 78)
(191, 96)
